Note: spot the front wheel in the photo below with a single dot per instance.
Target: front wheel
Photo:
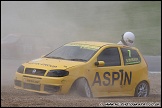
(83, 88)
(142, 89)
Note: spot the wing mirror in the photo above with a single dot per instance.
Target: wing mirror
(100, 63)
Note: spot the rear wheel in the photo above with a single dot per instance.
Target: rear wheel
(83, 88)
(142, 89)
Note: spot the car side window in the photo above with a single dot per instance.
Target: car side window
(110, 56)
(130, 56)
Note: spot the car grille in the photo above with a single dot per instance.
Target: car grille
(31, 86)
(37, 87)
(51, 88)
(33, 71)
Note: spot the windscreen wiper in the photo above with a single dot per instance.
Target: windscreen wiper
(55, 57)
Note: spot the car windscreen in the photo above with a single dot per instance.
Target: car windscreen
(74, 53)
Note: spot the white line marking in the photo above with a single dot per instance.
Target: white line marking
(154, 72)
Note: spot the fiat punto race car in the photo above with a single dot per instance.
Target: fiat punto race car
(95, 69)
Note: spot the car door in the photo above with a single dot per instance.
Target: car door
(132, 68)
(108, 78)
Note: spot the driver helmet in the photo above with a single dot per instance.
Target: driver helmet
(128, 38)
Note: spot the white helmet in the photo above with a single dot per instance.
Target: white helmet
(128, 38)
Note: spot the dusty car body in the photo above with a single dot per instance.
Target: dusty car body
(95, 69)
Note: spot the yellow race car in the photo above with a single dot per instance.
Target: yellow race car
(94, 69)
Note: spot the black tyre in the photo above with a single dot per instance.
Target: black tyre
(142, 89)
(83, 88)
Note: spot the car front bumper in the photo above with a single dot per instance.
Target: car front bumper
(42, 84)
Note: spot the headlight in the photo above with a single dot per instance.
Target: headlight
(57, 73)
(20, 69)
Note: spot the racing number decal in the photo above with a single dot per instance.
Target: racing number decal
(129, 53)
(131, 59)
(110, 79)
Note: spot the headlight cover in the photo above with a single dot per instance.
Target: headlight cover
(20, 69)
(57, 73)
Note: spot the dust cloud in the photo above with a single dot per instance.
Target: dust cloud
(57, 22)
(60, 22)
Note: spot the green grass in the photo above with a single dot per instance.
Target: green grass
(143, 18)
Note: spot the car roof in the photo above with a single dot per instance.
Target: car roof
(94, 43)
(101, 44)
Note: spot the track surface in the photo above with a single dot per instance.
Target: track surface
(11, 97)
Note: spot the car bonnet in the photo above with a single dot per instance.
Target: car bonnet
(48, 63)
